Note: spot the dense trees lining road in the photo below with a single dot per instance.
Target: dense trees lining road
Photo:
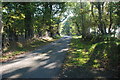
(97, 23)
(25, 19)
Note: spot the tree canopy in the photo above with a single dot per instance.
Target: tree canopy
(25, 20)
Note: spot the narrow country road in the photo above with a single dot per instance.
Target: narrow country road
(42, 63)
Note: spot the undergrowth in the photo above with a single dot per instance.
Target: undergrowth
(94, 54)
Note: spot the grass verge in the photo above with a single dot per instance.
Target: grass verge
(18, 48)
(87, 59)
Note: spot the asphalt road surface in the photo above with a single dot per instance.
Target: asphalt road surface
(42, 63)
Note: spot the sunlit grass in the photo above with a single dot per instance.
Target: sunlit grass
(75, 37)
(93, 55)
(78, 53)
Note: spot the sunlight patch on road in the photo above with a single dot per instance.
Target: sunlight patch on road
(35, 67)
(41, 56)
(14, 66)
(63, 50)
(15, 76)
(51, 65)
(40, 60)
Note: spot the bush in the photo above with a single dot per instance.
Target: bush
(107, 54)
(100, 38)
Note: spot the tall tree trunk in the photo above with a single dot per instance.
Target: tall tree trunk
(100, 17)
(0, 37)
(110, 26)
(28, 22)
(50, 23)
(92, 7)
(101, 26)
(15, 36)
(78, 28)
(82, 21)
(58, 29)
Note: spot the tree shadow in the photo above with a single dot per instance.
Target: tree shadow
(86, 73)
(45, 63)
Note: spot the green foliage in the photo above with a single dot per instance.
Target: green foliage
(22, 21)
(103, 54)
(106, 53)
(101, 17)
(79, 52)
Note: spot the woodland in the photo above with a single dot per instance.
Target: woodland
(94, 27)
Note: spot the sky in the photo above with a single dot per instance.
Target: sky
(70, 15)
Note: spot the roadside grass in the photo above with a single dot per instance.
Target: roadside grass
(78, 53)
(18, 48)
(102, 56)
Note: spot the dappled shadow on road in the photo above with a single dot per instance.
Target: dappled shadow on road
(42, 63)
(17, 73)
